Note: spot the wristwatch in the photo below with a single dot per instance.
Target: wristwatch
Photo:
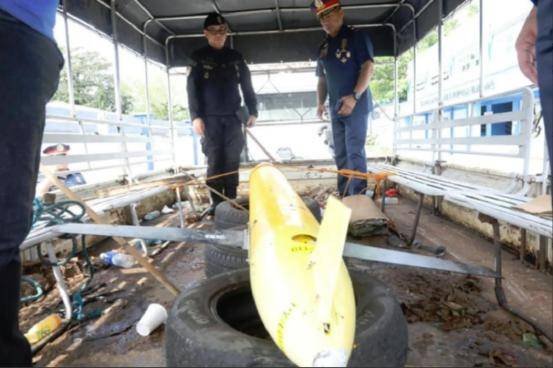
(357, 95)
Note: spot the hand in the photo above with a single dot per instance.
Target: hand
(199, 126)
(251, 121)
(322, 113)
(526, 47)
(348, 104)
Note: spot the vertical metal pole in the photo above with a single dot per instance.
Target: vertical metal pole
(60, 281)
(523, 245)
(171, 119)
(546, 170)
(396, 92)
(499, 293)
(117, 83)
(396, 104)
(383, 194)
(116, 75)
(136, 222)
(68, 65)
(179, 207)
(526, 128)
(134, 214)
(438, 146)
(481, 47)
(69, 71)
(415, 69)
(417, 219)
(148, 102)
(542, 253)
(170, 106)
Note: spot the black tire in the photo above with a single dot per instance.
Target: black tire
(220, 258)
(215, 323)
(228, 216)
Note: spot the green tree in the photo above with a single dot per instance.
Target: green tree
(92, 83)
(158, 96)
(382, 84)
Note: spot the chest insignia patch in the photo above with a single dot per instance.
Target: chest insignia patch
(343, 54)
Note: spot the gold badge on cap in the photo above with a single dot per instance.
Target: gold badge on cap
(319, 4)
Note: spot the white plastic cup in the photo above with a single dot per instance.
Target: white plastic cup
(155, 316)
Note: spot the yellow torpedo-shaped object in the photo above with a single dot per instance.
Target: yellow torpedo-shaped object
(300, 283)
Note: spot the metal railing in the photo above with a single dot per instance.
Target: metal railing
(441, 135)
(104, 143)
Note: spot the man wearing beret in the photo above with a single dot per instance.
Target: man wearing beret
(344, 68)
(217, 73)
(535, 56)
(30, 64)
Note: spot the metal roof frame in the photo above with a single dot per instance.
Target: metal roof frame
(396, 26)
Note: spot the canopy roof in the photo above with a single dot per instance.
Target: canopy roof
(264, 31)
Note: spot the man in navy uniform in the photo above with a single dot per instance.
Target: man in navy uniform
(30, 64)
(344, 68)
(216, 74)
(535, 56)
(69, 180)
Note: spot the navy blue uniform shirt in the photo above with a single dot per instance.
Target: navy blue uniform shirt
(213, 83)
(340, 62)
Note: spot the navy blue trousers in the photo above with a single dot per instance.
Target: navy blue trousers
(544, 54)
(222, 144)
(30, 64)
(350, 134)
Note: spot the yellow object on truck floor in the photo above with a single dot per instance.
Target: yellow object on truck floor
(44, 328)
(300, 283)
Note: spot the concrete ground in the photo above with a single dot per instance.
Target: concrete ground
(453, 319)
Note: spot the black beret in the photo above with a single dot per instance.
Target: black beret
(214, 19)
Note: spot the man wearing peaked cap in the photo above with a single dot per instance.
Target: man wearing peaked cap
(217, 75)
(57, 149)
(321, 7)
(69, 179)
(344, 68)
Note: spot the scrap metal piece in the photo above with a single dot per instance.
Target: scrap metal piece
(223, 237)
(395, 257)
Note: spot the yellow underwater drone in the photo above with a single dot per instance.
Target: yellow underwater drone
(300, 283)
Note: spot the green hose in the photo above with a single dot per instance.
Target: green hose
(57, 214)
(38, 290)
